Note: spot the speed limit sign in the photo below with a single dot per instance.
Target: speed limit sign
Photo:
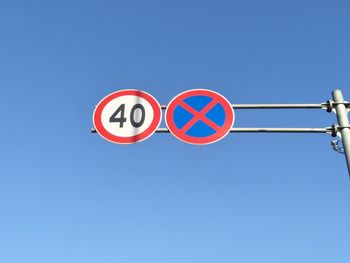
(127, 116)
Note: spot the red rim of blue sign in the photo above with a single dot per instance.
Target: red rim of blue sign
(132, 139)
(220, 130)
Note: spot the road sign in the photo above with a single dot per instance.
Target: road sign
(127, 116)
(199, 116)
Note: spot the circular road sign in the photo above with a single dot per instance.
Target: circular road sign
(127, 116)
(199, 116)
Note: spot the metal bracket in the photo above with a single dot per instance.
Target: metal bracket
(334, 130)
(329, 105)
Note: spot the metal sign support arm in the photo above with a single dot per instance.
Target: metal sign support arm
(330, 130)
(326, 105)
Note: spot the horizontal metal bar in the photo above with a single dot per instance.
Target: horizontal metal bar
(282, 130)
(269, 130)
(278, 106)
(273, 106)
(324, 105)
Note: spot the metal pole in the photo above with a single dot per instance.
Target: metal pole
(342, 116)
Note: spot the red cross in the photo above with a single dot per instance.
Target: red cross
(199, 116)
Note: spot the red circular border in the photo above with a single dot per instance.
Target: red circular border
(133, 139)
(225, 129)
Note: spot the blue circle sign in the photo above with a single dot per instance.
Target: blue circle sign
(199, 116)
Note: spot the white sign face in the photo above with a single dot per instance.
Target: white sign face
(127, 116)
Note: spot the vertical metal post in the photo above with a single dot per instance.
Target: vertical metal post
(342, 116)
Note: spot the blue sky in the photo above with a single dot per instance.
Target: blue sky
(69, 196)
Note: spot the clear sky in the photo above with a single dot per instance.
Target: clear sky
(67, 195)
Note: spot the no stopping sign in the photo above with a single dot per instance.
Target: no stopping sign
(127, 116)
(199, 116)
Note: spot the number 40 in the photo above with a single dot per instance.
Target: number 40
(121, 119)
